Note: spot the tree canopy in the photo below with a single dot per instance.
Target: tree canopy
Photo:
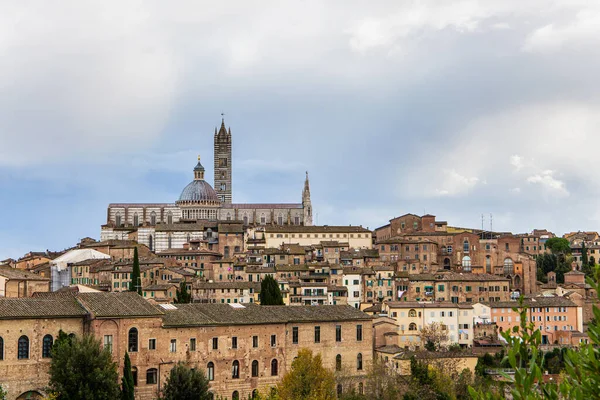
(182, 295)
(184, 383)
(136, 279)
(270, 294)
(307, 379)
(127, 384)
(558, 245)
(80, 369)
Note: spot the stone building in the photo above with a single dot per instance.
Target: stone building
(241, 348)
(18, 283)
(162, 226)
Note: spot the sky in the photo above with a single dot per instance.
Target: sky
(452, 108)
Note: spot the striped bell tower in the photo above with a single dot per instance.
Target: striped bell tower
(222, 151)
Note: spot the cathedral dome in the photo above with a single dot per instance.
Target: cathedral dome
(198, 190)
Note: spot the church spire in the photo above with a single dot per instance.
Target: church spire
(306, 203)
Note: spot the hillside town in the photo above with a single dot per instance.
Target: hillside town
(351, 293)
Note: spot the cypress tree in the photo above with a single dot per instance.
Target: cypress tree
(182, 294)
(127, 387)
(270, 294)
(136, 275)
(584, 256)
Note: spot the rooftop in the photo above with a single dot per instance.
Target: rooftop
(314, 229)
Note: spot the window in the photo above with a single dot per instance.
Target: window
(108, 342)
(274, 367)
(295, 335)
(273, 340)
(193, 344)
(151, 344)
(317, 334)
(47, 346)
(359, 333)
(466, 246)
(133, 340)
(412, 313)
(235, 370)
(152, 219)
(136, 219)
(215, 343)
(412, 327)
(339, 390)
(359, 362)
(173, 347)
(509, 266)
(466, 261)
(151, 376)
(338, 362)
(210, 371)
(360, 388)
(1, 348)
(23, 348)
(338, 333)
(235, 395)
(255, 341)
(134, 375)
(118, 219)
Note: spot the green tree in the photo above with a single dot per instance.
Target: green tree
(584, 256)
(184, 383)
(182, 295)
(558, 245)
(3, 393)
(127, 384)
(270, 294)
(136, 279)
(80, 369)
(307, 379)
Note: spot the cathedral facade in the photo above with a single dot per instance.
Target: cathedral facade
(200, 208)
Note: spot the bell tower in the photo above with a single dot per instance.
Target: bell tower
(222, 151)
(306, 203)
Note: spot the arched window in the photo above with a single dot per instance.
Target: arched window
(23, 348)
(466, 261)
(169, 241)
(280, 219)
(274, 365)
(136, 219)
(118, 218)
(169, 218)
(150, 243)
(360, 388)
(245, 220)
(338, 362)
(509, 266)
(446, 263)
(255, 394)
(153, 218)
(235, 370)
(412, 327)
(151, 376)
(228, 217)
(47, 346)
(1, 348)
(488, 264)
(339, 390)
(188, 237)
(359, 363)
(254, 369)
(235, 395)
(263, 219)
(466, 246)
(133, 340)
(210, 371)
(412, 313)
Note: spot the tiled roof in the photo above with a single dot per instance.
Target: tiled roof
(437, 304)
(465, 276)
(18, 274)
(180, 227)
(314, 229)
(250, 314)
(126, 205)
(158, 288)
(124, 304)
(555, 301)
(228, 285)
(231, 228)
(40, 307)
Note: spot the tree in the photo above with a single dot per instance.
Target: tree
(433, 335)
(127, 385)
(182, 295)
(307, 379)
(185, 383)
(270, 295)
(584, 256)
(136, 279)
(558, 245)
(80, 369)
(3, 393)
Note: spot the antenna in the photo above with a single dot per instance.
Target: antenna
(491, 224)
(481, 226)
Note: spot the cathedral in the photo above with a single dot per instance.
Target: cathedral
(200, 208)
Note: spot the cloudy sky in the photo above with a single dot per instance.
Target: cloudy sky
(454, 108)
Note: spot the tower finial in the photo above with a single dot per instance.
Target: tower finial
(223, 118)
(198, 157)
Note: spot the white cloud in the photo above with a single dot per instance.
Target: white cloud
(547, 180)
(455, 184)
(583, 29)
(516, 161)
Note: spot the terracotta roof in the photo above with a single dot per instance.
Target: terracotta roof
(158, 288)
(437, 304)
(251, 314)
(117, 305)
(40, 307)
(555, 301)
(228, 285)
(18, 274)
(230, 228)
